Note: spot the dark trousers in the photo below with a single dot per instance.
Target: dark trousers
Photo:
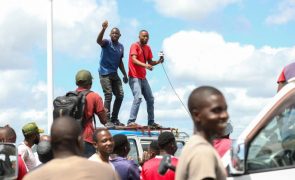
(89, 149)
(112, 84)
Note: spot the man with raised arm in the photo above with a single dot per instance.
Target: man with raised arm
(112, 52)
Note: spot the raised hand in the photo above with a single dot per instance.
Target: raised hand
(105, 24)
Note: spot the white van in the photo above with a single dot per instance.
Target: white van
(266, 148)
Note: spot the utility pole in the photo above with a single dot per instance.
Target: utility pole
(49, 65)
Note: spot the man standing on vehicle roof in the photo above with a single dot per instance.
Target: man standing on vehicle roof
(140, 59)
(198, 159)
(110, 60)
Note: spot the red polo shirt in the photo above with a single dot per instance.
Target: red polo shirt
(143, 54)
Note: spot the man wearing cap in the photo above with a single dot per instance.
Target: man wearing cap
(94, 105)
(112, 52)
(31, 133)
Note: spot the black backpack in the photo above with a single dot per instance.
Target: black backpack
(72, 104)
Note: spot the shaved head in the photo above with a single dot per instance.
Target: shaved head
(198, 97)
(208, 109)
(65, 135)
(141, 31)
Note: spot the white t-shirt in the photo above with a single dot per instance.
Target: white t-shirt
(95, 157)
(27, 155)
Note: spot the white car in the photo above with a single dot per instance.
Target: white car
(266, 148)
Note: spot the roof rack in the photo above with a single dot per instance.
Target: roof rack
(144, 130)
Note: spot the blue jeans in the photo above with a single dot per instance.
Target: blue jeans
(139, 88)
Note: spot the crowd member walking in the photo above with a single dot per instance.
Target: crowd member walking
(112, 53)
(167, 145)
(31, 133)
(127, 169)
(8, 135)
(140, 59)
(104, 145)
(199, 160)
(94, 106)
(67, 146)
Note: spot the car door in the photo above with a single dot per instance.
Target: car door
(270, 147)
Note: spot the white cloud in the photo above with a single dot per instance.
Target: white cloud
(190, 9)
(25, 30)
(23, 48)
(207, 56)
(284, 13)
(245, 74)
(77, 23)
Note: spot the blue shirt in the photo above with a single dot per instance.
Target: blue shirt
(127, 169)
(110, 57)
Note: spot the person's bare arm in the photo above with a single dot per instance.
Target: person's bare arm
(102, 115)
(137, 62)
(101, 33)
(153, 63)
(122, 69)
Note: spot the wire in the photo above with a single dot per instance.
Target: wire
(175, 90)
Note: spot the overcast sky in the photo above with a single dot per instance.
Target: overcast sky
(237, 46)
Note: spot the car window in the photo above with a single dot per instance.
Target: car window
(133, 153)
(145, 144)
(180, 145)
(274, 145)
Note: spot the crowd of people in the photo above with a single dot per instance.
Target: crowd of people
(75, 150)
(61, 155)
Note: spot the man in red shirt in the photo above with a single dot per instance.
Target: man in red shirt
(93, 105)
(167, 145)
(140, 59)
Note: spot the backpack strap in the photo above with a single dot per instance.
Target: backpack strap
(84, 94)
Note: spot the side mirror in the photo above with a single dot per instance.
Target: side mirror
(237, 162)
(8, 161)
